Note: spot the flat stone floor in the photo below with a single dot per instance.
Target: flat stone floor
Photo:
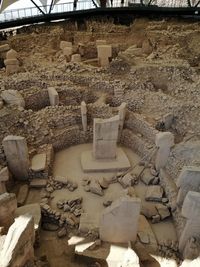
(67, 163)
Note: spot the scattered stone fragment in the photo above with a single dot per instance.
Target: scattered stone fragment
(163, 211)
(38, 162)
(50, 227)
(95, 188)
(147, 179)
(38, 183)
(155, 218)
(127, 180)
(13, 97)
(154, 193)
(143, 237)
(62, 233)
(103, 183)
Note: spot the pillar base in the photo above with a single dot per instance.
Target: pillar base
(90, 164)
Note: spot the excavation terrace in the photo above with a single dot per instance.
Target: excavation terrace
(99, 144)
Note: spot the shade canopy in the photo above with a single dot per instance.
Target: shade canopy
(6, 3)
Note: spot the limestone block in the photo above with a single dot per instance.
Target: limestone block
(123, 257)
(104, 62)
(13, 97)
(104, 51)
(105, 137)
(67, 51)
(4, 48)
(53, 96)
(81, 49)
(8, 205)
(12, 61)
(12, 69)
(38, 183)
(38, 162)
(154, 193)
(16, 151)
(188, 180)
(76, 58)
(11, 54)
(22, 194)
(4, 174)
(32, 209)
(84, 115)
(164, 139)
(101, 42)
(18, 246)
(191, 205)
(64, 44)
(122, 115)
(119, 222)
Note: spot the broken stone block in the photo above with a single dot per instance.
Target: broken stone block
(62, 232)
(147, 179)
(168, 120)
(38, 183)
(76, 58)
(101, 42)
(16, 151)
(143, 237)
(22, 194)
(18, 245)
(13, 97)
(154, 193)
(8, 205)
(38, 162)
(67, 51)
(103, 182)
(163, 211)
(11, 54)
(119, 222)
(53, 96)
(127, 180)
(4, 48)
(64, 44)
(32, 209)
(96, 188)
(4, 174)
(148, 210)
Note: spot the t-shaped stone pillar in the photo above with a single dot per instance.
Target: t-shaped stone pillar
(104, 53)
(122, 115)
(190, 210)
(188, 180)
(16, 151)
(84, 115)
(164, 141)
(105, 138)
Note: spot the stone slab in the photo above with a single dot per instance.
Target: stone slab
(32, 209)
(22, 194)
(38, 183)
(38, 162)
(4, 174)
(119, 222)
(90, 164)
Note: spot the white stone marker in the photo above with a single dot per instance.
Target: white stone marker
(105, 138)
(190, 210)
(84, 115)
(53, 96)
(164, 141)
(16, 151)
(119, 222)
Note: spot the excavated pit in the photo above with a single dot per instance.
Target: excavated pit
(156, 73)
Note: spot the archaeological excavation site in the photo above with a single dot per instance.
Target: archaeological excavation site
(100, 142)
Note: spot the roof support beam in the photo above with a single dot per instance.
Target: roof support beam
(38, 7)
(51, 6)
(197, 3)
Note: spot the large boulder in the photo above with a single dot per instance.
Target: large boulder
(13, 97)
